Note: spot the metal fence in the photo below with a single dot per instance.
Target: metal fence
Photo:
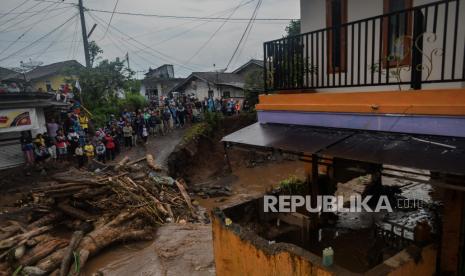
(423, 44)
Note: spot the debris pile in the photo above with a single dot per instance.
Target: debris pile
(79, 213)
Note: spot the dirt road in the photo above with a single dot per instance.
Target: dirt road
(160, 147)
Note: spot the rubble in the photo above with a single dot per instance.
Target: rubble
(80, 213)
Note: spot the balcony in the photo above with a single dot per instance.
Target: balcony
(413, 48)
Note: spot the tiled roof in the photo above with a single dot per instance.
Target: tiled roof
(51, 69)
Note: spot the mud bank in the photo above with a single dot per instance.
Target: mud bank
(200, 155)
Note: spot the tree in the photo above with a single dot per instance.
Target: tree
(94, 52)
(253, 86)
(293, 28)
(101, 86)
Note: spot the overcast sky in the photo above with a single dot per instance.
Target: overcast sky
(158, 40)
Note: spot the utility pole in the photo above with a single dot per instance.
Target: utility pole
(84, 34)
(127, 60)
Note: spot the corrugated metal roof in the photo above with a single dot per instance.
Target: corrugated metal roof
(300, 139)
(434, 153)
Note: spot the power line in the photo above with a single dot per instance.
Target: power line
(39, 39)
(35, 22)
(52, 42)
(23, 34)
(213, 35)
(19, 14)
(189, 22)
(247, 35)
(123, 51)
(111, 18)
(162, 55)
(72, 45)
(243, 34)
(27, 12)
(30, 16)
(13, 9)
(189, 17)
(138, 47)
(61, 2)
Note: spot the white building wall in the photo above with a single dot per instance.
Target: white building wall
(41, 122)
(313, 17)
(143, 90)
(200, 90)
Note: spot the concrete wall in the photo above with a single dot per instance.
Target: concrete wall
(240, 253)
(237, 256)
(452, 229)
(55, 81)
(313, 15)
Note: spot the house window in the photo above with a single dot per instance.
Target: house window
(336, 15)
(48, 86)
(397, 30)
(210, 93)
(226, 94)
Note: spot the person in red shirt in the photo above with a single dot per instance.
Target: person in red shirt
(110, 146)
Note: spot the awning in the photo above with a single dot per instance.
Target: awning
(434, 153)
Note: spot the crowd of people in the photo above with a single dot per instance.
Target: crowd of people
(72, 139)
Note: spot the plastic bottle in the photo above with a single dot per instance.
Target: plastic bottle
(328, 256)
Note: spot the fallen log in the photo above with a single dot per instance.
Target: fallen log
(74, 212)
(137, 161)
(9, 231)
(45, 220)
(75, 240)
(122, 163)
(112, 232)
(185, 195)
(52, 261)
(151, 163)
(157, 202)
(22, 238)
(121, 228)
(63, 186)
(41, 251)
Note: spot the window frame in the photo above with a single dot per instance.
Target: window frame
(343, 38)
(407, 59)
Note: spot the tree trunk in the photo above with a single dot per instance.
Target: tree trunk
(75, 240)
(41, 251)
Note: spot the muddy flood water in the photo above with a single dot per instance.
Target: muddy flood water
(187, 249)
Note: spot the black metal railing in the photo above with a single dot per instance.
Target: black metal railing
(423, 44)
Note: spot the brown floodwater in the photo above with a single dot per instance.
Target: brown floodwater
(187, 249)
(251, 182)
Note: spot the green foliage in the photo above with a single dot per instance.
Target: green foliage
(292, 185)
(100, 88)
(77, 262)
(132, 101)
(197, 130)
(214, 120)
(293, 28)
(253, 86)
(132, 85)
(18, 270)
(94, 52)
